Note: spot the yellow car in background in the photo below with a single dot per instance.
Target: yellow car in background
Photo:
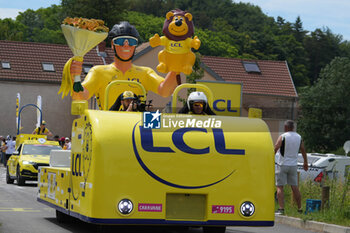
(29, 155)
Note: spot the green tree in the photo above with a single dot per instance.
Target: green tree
(11, 30)
(325, 108)
(146, 30)
(212, 45)
(321, 47)
(293, 52)
(345, 49)
(154, 7)
(298, 31)
(42, 25)
(32, 20)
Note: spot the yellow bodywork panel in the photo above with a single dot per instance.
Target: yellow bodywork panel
(194, 170)
(32, 137)
(53, 183)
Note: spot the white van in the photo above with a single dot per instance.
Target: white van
(320, 165)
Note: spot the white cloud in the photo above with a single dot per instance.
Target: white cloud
(9, 13)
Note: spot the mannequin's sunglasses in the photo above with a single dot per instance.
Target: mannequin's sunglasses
(120, 40)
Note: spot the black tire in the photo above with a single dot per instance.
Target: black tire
(8, 178)
(62, 217)
(20, 179)
(214, 229)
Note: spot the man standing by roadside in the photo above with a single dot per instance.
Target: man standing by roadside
(287, 148)
(11, 146)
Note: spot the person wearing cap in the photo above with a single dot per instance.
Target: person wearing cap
(42, 130)
(67, 144)
(124, 39)
(197, 104)
(125, 102)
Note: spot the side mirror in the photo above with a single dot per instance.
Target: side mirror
(15, 153)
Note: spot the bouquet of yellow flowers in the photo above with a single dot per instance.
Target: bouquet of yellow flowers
(81, 35)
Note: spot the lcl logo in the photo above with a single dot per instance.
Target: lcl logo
(148, 145)
(228, 106)
(176, 45)
(179, 142)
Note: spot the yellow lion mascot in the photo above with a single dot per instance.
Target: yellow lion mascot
(177, 55)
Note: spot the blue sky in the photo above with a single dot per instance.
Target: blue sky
(10, 8)
(333, 14)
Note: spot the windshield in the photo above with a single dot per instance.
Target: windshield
(39, 149)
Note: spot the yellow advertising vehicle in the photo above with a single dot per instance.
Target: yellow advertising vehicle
(163, 169)
(31, 152)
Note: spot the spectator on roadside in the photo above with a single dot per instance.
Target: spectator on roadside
(67, 144)
(197, 103)
(62, 141)
(287, 148)
(3, 148)
(42, 130)
(11, 145)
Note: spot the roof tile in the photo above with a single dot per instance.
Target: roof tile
(26, 60)
(274, 78)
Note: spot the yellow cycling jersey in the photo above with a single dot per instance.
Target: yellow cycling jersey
(177, 47)
(99, 77)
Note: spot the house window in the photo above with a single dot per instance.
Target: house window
(86, 68)
(5, 65)
(251, 67)
(48, 67)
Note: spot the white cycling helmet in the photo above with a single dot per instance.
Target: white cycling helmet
(196, 96)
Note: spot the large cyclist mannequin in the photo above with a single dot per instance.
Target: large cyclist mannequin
(124, 38)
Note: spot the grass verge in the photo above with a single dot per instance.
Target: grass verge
(336, 211)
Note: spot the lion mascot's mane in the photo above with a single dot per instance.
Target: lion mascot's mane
(190, 25)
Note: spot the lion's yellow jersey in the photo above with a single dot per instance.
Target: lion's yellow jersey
(99, 77)
(176, 47)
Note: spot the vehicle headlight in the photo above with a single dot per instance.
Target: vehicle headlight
(125, 206)
(25, 162)
(247, 209)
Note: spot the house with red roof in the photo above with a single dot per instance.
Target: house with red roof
(33, 69)
(266, 84)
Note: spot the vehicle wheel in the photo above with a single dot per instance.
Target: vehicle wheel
(8, 178)
(62, 217)
(214, 229)
(20, 179)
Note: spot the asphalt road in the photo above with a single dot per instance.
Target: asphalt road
(20, 212)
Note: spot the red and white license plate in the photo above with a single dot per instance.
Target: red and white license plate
(222, 209)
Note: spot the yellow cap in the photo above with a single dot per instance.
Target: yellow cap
(43, 122)
(128, 95)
